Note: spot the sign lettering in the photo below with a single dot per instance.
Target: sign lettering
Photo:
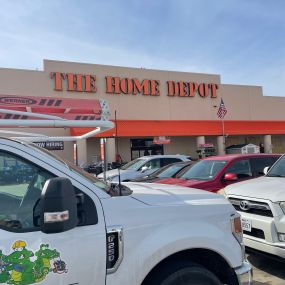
(117, 85)
(190, 89)
(51, 145)
(74, 82)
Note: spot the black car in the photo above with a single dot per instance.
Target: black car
(168, 171)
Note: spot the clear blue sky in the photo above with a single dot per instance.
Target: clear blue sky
(242, 40)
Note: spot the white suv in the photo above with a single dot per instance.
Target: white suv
(142, 166)
(261, 203)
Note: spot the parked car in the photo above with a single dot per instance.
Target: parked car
(216, 172)
(171, 170)
(261, 203)
(141, 167)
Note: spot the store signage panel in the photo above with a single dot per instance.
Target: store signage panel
(51, 145)
(133, 86)
(67, 108)
(161, 140)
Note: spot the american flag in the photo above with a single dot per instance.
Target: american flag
(222, 110)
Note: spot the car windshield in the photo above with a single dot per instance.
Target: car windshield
(204, 170)
(100, 184)
(135, 164)
(278, 169)
(169, 170)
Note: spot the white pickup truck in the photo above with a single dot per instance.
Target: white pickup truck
(59, 225)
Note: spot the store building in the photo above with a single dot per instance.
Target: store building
(157, 111)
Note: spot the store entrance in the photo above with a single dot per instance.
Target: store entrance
(142, 147)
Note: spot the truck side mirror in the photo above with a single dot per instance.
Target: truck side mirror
(58, 206)
(266, 169)
(230, 177)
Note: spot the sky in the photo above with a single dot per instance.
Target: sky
(241, 40)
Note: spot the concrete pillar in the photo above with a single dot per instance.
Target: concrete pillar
(82, 151)
(111, 150)
(267, 144)
(200, 140)
(221, 145)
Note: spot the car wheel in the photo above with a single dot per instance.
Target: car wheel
(184, 274)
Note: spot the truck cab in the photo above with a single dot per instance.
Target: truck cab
(60, 225)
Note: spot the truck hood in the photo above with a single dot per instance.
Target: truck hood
(268, 188)
(155, 194)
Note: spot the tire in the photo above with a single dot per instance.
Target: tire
(184, 274)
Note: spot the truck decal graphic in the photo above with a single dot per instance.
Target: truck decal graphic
(22, 266)
(67, 108)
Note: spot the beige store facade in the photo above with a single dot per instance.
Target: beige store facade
(180, 106)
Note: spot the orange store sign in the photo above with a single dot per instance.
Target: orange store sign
(116, 85)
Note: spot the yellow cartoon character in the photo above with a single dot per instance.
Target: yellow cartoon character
(20, 261)
(19, 245)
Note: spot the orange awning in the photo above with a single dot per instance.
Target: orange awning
(145, 128)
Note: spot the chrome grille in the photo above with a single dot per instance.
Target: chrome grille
(251, 207)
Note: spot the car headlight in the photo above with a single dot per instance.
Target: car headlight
(237, 232)
(236, 227)
(282, 206)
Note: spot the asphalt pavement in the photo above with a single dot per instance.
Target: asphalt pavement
(267, 271)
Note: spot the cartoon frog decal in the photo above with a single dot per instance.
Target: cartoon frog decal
(23, 267)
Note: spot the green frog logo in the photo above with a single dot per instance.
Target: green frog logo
(23, 267)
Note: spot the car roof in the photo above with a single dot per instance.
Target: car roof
(229, 157)
(184, 163)
(164, 156)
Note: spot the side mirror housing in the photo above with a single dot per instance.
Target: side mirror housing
(230, 177)
(266, 169)
(58, 206)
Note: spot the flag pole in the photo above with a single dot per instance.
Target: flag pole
(223, 133)
(221, 113)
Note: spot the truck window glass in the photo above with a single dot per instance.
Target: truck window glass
(21, 184)
(259, 163)
(98, 183)
(278, 169)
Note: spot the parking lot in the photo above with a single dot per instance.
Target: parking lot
(267, 271)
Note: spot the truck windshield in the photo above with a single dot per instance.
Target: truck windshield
(278, 169)
(204, 170)
(100, 184)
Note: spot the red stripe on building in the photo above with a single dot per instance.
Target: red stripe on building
(140, 128)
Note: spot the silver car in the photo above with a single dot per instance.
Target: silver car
(141, 167)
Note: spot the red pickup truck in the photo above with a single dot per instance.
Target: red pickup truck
(216, 172)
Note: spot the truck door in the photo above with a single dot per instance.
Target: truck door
(29, 256)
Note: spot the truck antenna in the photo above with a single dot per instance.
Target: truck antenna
(117, 152)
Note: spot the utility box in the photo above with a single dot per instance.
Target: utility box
(242, 148)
